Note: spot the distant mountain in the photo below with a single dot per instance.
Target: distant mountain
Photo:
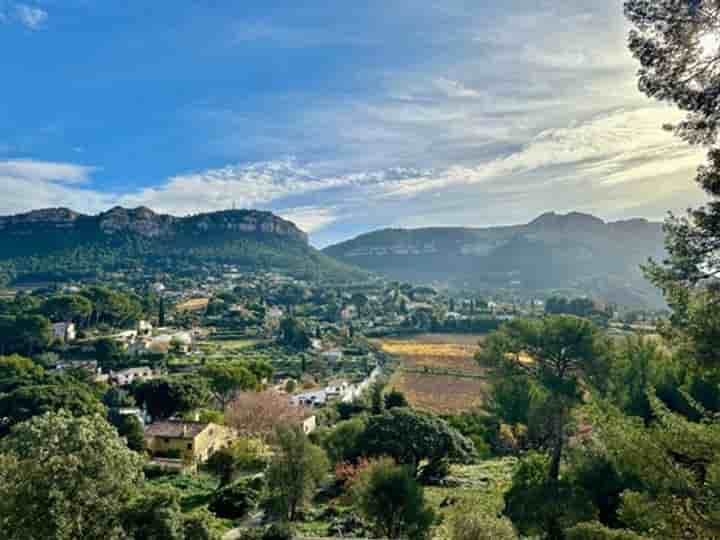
(572, 253)
(58, 244)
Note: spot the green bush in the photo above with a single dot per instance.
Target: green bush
(393, 501)
(236, 500)
(277, 531)
(538, 506)
(469, 524)
(597, 531)
(341, 443)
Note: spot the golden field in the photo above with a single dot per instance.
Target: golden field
(437, 372)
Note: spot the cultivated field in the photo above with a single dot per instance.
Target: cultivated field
(440, 394)
(196, 304)
(438, 372)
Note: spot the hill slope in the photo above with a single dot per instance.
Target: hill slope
(577, 253)
(57, 244)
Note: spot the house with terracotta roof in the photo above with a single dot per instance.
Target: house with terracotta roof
(180, 444)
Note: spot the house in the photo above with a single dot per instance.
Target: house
(309, 424)
(180, 342)
(144, 328)
(89, 366)
(317, 398)
(127, 376)
(185, 444)
(64, 331)
(138, 413)
(336, 389)
(332, 356)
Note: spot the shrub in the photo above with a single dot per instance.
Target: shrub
(295, 471)
(346, 472)
(341, 443)
(539, 506)
(469, 524)
(277, 531)
(236, 500)
(392, 500)
(597, 531)
(395, 398)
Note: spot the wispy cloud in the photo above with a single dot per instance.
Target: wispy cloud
(461, 115)
(30, 16)
(28, 184)
(46, 171)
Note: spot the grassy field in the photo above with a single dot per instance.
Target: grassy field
(438, 372)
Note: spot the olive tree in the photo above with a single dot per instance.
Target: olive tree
(64, 478)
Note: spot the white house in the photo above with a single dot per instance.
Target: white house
(309, 424)
(127, 376)
(145, 328)
(317, 398)
(332, 356)
(65, 331)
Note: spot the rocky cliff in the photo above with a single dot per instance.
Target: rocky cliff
(578, 253)
(57, 243)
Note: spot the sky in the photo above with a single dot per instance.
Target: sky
(342, 116)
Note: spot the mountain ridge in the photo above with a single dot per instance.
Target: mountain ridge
(574, 252)
(55, 243)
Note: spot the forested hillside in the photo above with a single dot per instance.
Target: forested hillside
(569, 252)
(59, 244)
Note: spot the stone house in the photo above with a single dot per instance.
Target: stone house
(186, 443)
(64, 331)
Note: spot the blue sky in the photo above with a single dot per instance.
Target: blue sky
(343, 116)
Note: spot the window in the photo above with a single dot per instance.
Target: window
(166, 441)
(189, 446)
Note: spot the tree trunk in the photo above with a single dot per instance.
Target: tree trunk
(559, 434)
(553, 528)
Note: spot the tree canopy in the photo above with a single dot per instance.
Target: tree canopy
(169, 396)
(561, 354)
(63, 477)
(412, 437)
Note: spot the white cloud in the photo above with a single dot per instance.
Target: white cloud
(28, 184)
(611, 164)
(508, 116)
(32, 17)
(310, 218)
(46, 171)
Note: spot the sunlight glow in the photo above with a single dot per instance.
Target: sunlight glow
(710, 44)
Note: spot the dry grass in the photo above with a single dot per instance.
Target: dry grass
(436, 351)
(196, 304)
(438, 392)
